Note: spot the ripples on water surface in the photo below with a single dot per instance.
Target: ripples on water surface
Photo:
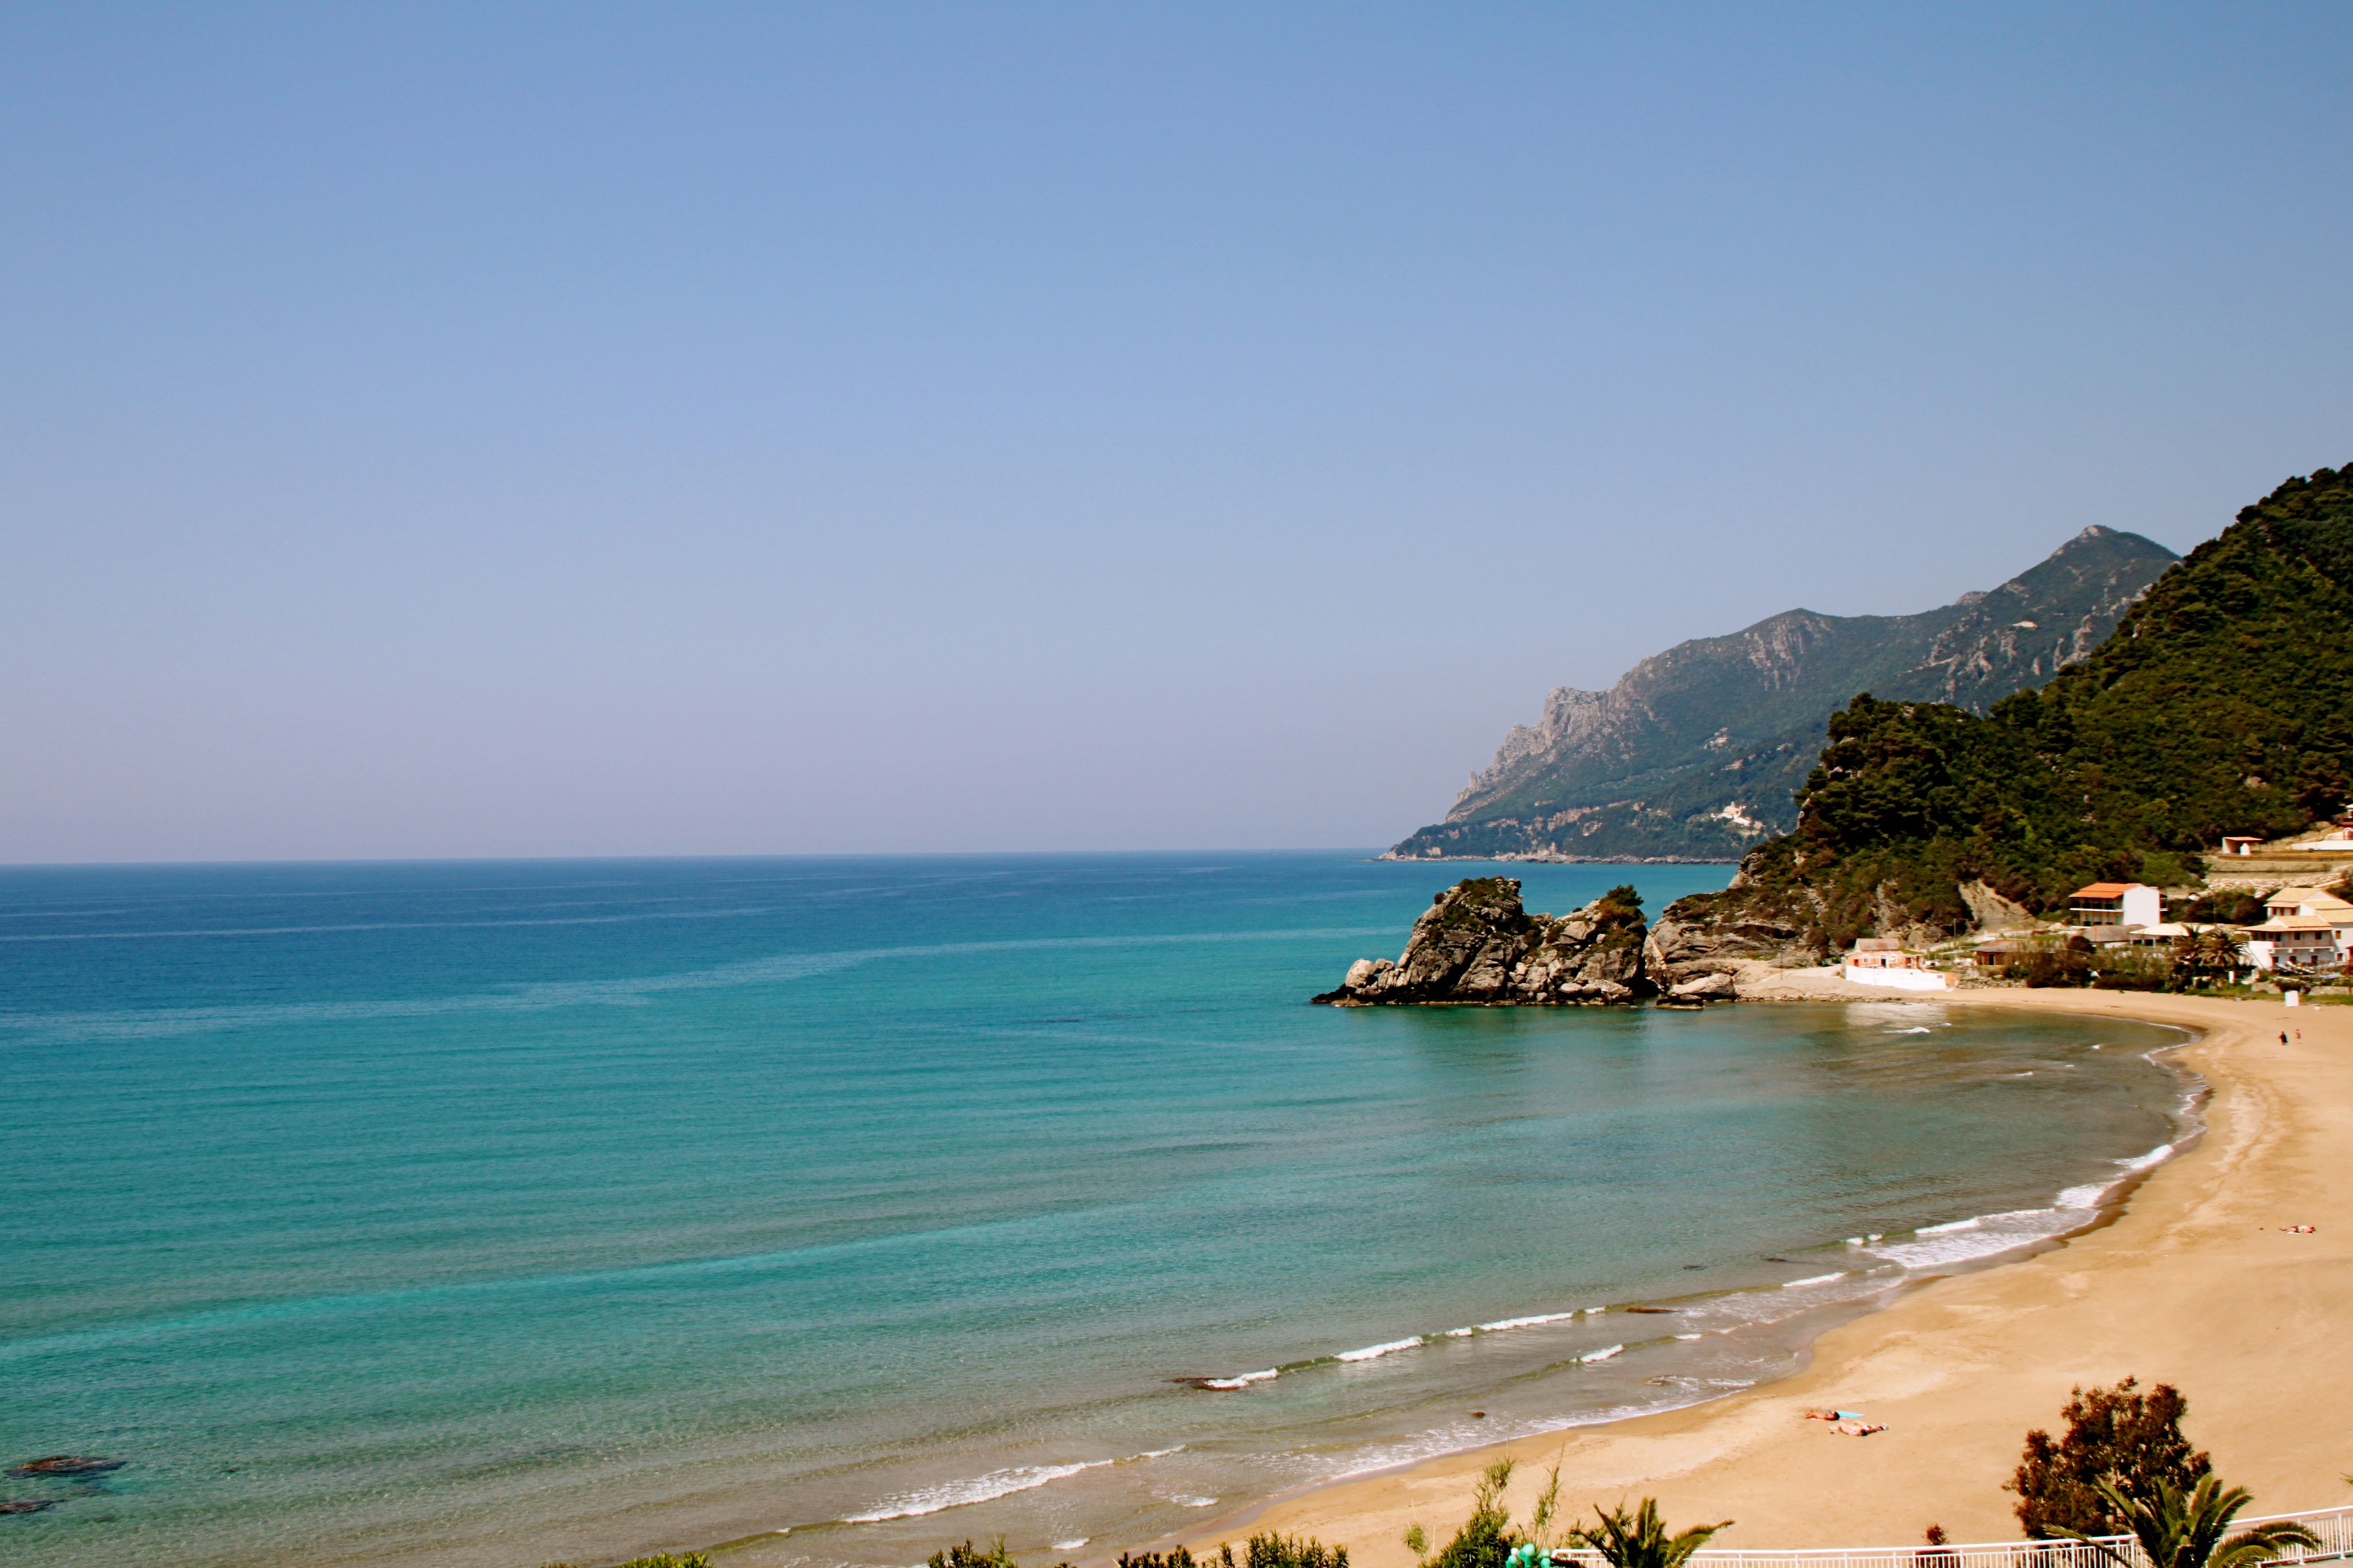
(485, 1214)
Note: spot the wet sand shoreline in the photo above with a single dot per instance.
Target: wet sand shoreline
(2190, 1281)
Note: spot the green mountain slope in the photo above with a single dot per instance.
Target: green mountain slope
(1697, 752)
(2222, 704)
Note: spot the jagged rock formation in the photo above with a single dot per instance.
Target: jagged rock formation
(1475, 944)
(1693, 943)
(1696, 752)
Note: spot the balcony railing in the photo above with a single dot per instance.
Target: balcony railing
(2334, 1526)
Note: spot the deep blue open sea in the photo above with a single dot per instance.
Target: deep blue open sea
(486, 1214)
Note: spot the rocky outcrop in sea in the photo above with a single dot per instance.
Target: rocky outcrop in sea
(1476, 946)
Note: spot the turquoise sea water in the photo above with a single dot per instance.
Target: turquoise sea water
(491, 1213)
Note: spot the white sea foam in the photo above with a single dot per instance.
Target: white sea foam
(1501, 1323)
(1812, 1280)
(1242, 1381)
(1963, 1241)
(1690, 1336)
(978, 1489)
(1071, 1545)
(1463, 1434)
(1602, 1354)
(982, 1489)
(1371, 1351)
(2091, 1195)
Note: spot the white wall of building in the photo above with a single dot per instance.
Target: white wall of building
(1897, 979)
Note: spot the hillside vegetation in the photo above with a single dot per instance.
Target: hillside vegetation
(2221, 703)
(1696, 752)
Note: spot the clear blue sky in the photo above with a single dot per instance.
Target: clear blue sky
(502, 430)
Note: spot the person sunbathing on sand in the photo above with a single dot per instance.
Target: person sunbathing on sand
(1857, 1428)
(1833, 1415)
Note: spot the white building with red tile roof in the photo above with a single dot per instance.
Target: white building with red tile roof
(2116, 904)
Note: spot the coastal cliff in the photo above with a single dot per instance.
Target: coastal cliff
(1696, 752)
(1475, 944)
(2222, 704)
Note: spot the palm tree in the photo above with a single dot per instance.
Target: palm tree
(2189, 954)
(2185, 1530)
(2223, 949)
(1638, 1540)
(2206, 952)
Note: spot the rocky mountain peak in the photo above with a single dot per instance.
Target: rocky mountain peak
(1695, 753)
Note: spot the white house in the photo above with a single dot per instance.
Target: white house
(2290, 901)
(2308, 942)
(2307, 928)
(1881, 961)
(2117, 904)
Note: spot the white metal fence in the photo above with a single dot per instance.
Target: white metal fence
(2334, 1526)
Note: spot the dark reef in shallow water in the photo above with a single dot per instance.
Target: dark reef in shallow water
(66, 1465)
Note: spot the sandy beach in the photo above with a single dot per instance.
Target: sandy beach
(2195, 1283)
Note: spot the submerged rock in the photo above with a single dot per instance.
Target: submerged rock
(27, 1505)
(1477, 944)
(68, 1464)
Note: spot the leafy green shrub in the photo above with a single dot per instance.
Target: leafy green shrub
(2132, 969)
(1180, 1558)
(2068, 962)
(2130, 1439)
(1273, 1551)
(1485, 1540)
(2226, 906)
(1266, 1550)
(1622, 904)
(969, 1556)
